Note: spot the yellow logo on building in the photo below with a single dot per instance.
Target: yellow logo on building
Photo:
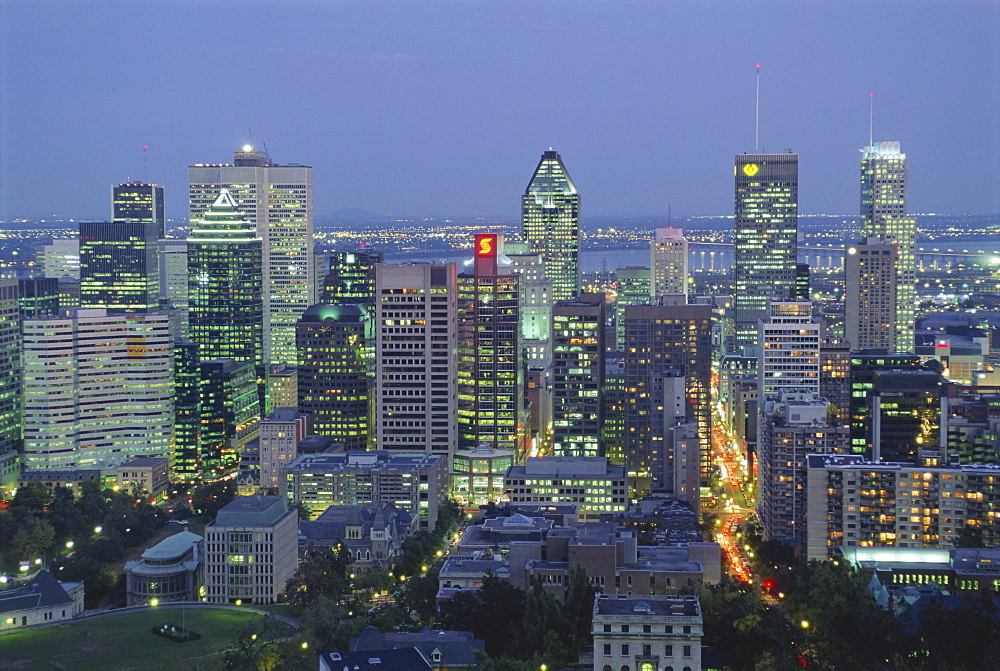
(751, 169)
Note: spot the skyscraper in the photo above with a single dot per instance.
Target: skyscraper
(578, 376)
(668, 261)
(490, 374)
(334, 373)
(415, 344)
(352, 277)
(118, 266)
(662, 342)
(550, 210)
(10, 366)
(536, 303)
(789, 350)
(886, 231)
(98, 389)
(632, 287)
(764, 237)
(230, 415)
(277, 201)
(225, 291)
(139, 203)
(174, 277)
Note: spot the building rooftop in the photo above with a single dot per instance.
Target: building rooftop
(145, 462)
(43, 590)
(365, 460)
(171, 547)
(681, 605)
(251, 511)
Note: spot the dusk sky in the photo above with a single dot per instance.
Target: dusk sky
(443, 108)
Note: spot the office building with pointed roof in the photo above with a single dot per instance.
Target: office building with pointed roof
(550, 210)
(277, 201)
(225, 310)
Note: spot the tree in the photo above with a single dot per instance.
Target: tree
(579, 608)
(254, 647)
(327, 627)
(970, 537)
(321, 573)
(33, 539)
(33, 497)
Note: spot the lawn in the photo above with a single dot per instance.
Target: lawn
(125, 642)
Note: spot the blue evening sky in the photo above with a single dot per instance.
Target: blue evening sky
(444, 107)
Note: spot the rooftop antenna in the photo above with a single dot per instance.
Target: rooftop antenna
(756, 121)
(145, 164)
(871, 117)
(669, 218)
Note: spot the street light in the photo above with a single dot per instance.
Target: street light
(98, 530)
(154, 602)
(805, 624)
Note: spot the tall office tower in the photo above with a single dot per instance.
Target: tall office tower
(764, 237)
(668, 261)
(187, 411)
(536, 303)
(490, 371)
(352, 277)
(632, 286)
(335, 372)
(796, 426)
(139, 203)
(789, 350)
(230, 415)
(98, 389)
(615, 399)
(174, 278)
(280, 435)
(835, 377)
(870, 295)
(550, 211)
(578, 376)
(906, 417)
(10, 366)
(60, 257)
(864, 365)
(277, 200)
(664, 340)
(118, 266)
(884, 222)
(38, 297)
(225, 300)
(415, 344)
(802, 286)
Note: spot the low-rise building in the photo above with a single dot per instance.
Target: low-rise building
(373, 532)
(71, 479)
(168, 571)
(465, 572)
(250, 550)
(445, 650)
(591, 482)
(149, 476)
(648, 633)
(411, 481)
(43, 600)
(478, 475)
(953, 570)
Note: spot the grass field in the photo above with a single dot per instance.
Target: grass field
(125, 642)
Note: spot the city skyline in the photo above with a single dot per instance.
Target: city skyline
(434, 108)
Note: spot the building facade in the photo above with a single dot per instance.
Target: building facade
(415, 355)
(764, 237)
(251, 550)
(490, 373)
(277, 202)
(596, 486)
(119, 266)
(668, 262)
(335, 376)
(578, 353)
(10, 366)
(647, 633)
(884, 222)
(550, 224)
(98, 389)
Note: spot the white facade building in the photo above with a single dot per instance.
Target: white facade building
(98, 389)
(647, 633)
(280, 435)
(278, 200)
(668, 262)
(789, 349)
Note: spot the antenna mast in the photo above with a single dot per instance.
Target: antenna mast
(871, 117)
(145, 164)
(756, 120)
